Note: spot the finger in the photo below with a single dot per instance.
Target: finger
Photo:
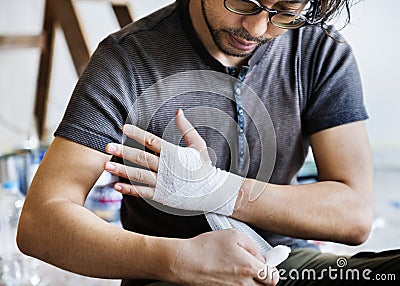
(131, 173)
(251, 247)
(251, 251)
(269, 283)
(136, 191)
(265, 283)
(258, 269)
(275, 277)
(145, 138)
(267, 275)
(190, 134)
(134, 155)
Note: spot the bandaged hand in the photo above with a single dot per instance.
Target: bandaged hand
(178, 177)
(184, 178)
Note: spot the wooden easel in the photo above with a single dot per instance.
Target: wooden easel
(63, 14)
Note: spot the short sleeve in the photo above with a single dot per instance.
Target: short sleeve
(101, 100)
(336, 95)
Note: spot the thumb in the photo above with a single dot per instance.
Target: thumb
(190, 134)
(250, 246)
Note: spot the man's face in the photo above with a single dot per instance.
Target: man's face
(238, 35)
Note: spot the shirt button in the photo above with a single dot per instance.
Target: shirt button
(241, 112)
(241, 153)
(241, 131)
(238, 91)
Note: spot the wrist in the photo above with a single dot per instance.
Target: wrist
(249, 192)
(166, 252)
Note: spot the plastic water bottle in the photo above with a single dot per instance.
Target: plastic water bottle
(103, 200)
(11, 202)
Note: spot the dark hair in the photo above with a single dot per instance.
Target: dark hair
(323, 11)
(330, 9)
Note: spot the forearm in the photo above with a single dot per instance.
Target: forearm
(87, 245)
(325, 210)
(55, 227)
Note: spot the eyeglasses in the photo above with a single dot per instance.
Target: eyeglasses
(285, 18)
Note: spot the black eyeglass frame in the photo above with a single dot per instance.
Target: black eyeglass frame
(310, 18)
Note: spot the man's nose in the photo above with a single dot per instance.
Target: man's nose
(256, 25)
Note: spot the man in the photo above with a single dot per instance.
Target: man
(308, 84)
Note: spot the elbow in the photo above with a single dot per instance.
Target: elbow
(358, 236)
(24, 239)
(360, 229)
(359, 217)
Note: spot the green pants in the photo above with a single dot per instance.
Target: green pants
(310, 267)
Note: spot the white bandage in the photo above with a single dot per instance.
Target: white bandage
(274, 255)
(277, 255)
(186, 180)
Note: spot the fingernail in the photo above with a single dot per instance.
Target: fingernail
(118, 187)
(110, 166)
(262, 259)
(127, 129)
(112, 147)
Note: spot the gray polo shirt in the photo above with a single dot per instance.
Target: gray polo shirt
(257, 119)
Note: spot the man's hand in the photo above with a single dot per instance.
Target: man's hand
(225, 257)
(145, 159)
(179, 177)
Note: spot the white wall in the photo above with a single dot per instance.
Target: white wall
(19, 67)
(375, 44)
(374, 37)
(18, 70)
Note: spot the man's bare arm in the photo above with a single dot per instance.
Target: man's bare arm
(56, 228)
(339, 207)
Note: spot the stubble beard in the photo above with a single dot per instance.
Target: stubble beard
(218, 36)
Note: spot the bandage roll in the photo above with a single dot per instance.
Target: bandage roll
(220, 222)
(187, 180)
(274, 255)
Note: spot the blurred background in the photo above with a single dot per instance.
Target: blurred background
(373, 34)
(19, 66)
